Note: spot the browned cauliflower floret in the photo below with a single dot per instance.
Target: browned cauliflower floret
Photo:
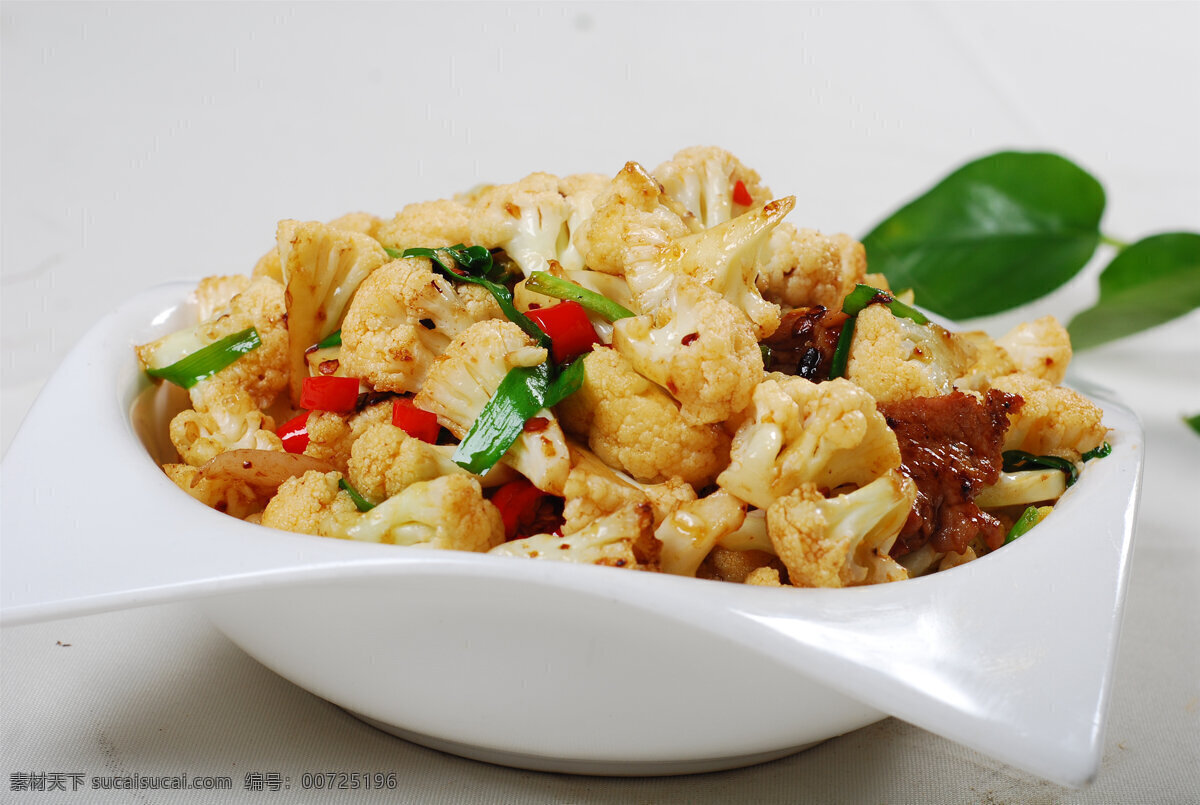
(594, 490)
(384, 460)
(805, 268)
(632, 219)
(311, 504)
(213, 294)
(449, 513)
(636, 426)
(895, 358)
(796, 431)
(322, 268)
(701, 349)
(269, 264)
(225, 411)
(403, 316)
(842, 541)
(462, 380)
(231, 497)
(1054, 420)
(535, 220)
(690, 532)
(1040, 348)
(624, 538)
(428, 224)
(703, 179)
(331, 435)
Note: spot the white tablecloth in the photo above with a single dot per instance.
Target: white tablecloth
(149, 142)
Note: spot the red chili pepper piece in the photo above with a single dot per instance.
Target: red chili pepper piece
(329, 393)
(294, 433)
(416, 422)
(567, 325)
(741, 195)
(518, 503)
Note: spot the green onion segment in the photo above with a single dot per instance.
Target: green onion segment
(361, 503)
(1098, 452)
(523, 392)
(334, 339)
(474, 263)
(1017, 460)
(1028, 519)
(545, 283)
(207, 361)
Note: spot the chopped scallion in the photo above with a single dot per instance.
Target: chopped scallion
(1028, 519)
(1017, 460)
(1098, 452)
(361, 503)
(545, 283)
(207, 361)
(334, 339)
(857, 300)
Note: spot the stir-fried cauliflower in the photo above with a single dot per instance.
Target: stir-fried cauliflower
(636, 426)
(645, 434)
(402, 318)
(799, 432)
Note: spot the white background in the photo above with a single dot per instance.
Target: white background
(147, 142)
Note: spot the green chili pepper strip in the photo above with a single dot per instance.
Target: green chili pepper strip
(1028, 519)
(550, 285)
(360, 502)
(1098, 452)
(841, 353)
(334, 339)
(857, 300)
(472, 264)
(207, 361)
(1017, 460)
(523, 392)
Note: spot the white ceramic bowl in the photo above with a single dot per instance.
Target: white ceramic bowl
(573, 668)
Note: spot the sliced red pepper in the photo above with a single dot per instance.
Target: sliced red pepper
(567, 325)
(741, 195)
(329, 393)
(294, 433)
(416, 422)
(518, 503)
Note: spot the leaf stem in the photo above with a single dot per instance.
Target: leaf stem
(1119, 245)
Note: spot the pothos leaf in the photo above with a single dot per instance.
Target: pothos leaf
(1148, 283)
(994, 234)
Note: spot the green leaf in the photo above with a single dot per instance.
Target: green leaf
(1151, 282)
(997, 233)
(1193, 422)
(207, 361)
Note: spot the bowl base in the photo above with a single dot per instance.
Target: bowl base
(601, 768)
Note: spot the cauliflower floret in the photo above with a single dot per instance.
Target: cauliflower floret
(332, 435)
(214, 294)
(363, 223)
(449, 513)
(235, 498)
(991, 360)
(894, 358)
(428, 224)
(796, 431)
(403, 316)
(723, 564)
(225, 411)
(322, 268)
(689, 533)
(842, 541)
(703, 178)
(624, 538)
(1040, 348)
(385, 460)
(594, 490)
(635, 425)
(462, 380)
(1054, 420)
(701, 349)
(311, 503)
(535, 219)
(632, 219)
(805, 268)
